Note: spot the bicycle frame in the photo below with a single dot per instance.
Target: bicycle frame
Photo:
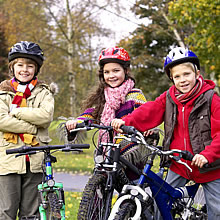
(164, 194)
(106, 164)
(44, 189)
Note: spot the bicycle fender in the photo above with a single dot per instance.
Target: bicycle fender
(117, 204)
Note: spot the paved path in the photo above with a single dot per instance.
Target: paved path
(76, 183)
(72, 182)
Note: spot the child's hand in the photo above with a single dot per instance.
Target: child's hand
(71, 124)
(148, 132)
(199, 160)
(116, 124)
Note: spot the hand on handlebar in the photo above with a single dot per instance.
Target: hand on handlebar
(199, 160)
(116, 124)
(148, 132)
(71, 124)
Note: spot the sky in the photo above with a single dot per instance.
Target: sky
(122, 25)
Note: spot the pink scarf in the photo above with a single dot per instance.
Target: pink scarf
(185, 97)
(114, 98)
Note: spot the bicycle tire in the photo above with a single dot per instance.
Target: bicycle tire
(92, 205)
(53, 210)
(128, 209)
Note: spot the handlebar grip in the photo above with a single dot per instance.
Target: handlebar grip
(128, 129)
(79, 146)
(187, 155)
(15, 150)
(206, 165)
(71, 135)
(80, 125)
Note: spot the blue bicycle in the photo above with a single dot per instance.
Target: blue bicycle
(135, 202)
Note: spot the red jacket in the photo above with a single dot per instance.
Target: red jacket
(151, 114)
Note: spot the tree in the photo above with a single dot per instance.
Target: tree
(65, 33)
(3, 49)
(202, 18)
(149, 44)
(74, 27)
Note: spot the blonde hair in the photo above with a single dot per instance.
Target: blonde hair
(26, 60)
(187, 64)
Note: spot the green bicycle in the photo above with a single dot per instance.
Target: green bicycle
(51, 193)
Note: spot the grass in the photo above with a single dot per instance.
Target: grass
(73, 162)
(72, 200)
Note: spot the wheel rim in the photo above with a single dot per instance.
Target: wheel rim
(96, 207)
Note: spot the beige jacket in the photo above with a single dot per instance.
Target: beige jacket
(34, 119)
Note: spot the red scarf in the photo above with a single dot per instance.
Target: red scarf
(185, 97)
(22, 93)
(20, 100)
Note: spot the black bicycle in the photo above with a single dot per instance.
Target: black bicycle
(51, 193)
(108, 176)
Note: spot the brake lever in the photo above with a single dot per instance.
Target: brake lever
(185, 164)
(130, 139)
(177, 159)
(23, 154)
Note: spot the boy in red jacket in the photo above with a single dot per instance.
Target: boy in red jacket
(190, 110)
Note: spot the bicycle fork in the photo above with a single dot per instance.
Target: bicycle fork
(53, 189)
(134, 191)
(44, 190)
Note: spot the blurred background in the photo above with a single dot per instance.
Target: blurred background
(72, 33)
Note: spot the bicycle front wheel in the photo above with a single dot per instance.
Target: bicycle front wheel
(94, 199)
(53, 210)
(127, 210)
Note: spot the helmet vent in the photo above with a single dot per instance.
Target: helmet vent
(115, 51)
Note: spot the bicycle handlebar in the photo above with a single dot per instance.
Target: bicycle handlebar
(130, 130)
(25, 149)
(86, 125)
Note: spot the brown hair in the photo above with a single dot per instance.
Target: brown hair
(96, 98)
(26, 60)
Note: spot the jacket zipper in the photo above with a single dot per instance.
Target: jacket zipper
(183, 112)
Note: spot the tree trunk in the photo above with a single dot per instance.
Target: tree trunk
(72, 74)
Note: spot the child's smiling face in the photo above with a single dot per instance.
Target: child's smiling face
(114, 74)
(23, 70)
(184, 77)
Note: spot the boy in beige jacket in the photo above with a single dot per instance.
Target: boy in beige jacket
(26, 110)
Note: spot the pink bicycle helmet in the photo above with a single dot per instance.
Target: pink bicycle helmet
(114, 54)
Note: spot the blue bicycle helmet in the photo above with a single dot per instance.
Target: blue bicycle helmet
(25, 49)
(180, 55)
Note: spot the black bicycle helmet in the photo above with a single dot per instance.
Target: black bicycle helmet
(25, 49)
(180, 55)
